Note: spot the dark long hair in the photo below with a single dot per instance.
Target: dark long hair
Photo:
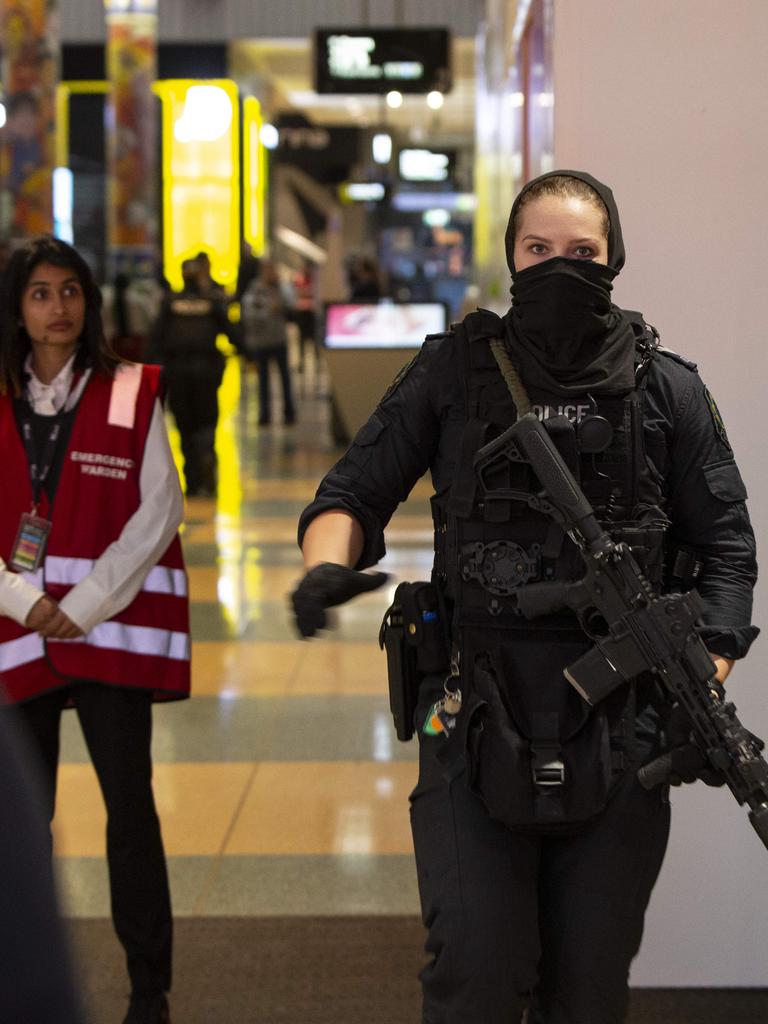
(93, 349)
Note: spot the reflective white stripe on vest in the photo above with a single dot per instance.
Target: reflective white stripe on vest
(162, 643)
(70, 571)
(21, 651)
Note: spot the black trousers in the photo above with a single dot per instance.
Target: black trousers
(194, 402)
(515, 920)
(263, 359)
(117, 726)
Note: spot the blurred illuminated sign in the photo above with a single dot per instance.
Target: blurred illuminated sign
(362, 192)
(201, 176)
(417, 202)
(423, 165)
(377, 60)
(254, 177)
(130, 6)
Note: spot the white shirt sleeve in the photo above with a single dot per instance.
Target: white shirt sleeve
(17, 595)
(118, 574)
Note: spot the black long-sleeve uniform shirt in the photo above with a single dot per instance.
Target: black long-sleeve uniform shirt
(418, 426)
(184, 335)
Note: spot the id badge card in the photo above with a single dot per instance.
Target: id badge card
(29, 546)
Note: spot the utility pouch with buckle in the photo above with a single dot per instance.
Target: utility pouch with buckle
(542, 762)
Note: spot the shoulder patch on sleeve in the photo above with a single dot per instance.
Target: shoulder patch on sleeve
(400, 376)
(717, 419)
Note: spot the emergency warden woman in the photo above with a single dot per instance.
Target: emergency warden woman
(536, 847)
(93, 592)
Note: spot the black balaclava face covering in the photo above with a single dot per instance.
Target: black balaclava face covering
(565, 334)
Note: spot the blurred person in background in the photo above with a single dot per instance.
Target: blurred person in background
(130, 309)
(184, 340)
(247, 271)
(264, 339)
(304, 313)
(94, 611)
(205, 279)
(364, 279)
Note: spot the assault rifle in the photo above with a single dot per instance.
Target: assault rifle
(634, 630)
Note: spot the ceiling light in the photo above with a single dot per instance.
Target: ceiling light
(435, 100)
(394, 99)
(436, 218)
(381, 147)
(269, 135)
(206, 116)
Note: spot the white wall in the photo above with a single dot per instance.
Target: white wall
(667, 101)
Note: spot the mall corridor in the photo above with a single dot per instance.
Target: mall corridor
(227, 195)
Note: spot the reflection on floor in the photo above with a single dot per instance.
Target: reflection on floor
(281, 786)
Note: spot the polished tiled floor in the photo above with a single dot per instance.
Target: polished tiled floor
(281, 786)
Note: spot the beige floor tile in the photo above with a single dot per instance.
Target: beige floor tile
(323, 808)
(196, 803)
(248, 531)
(340, 668)
(281, 490)
(247, 582)
(238, 669)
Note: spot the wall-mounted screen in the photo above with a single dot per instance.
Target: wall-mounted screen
(424, 165)
(382, 324)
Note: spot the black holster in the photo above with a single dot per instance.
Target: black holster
(415, 635)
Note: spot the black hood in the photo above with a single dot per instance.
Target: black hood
(615, 240)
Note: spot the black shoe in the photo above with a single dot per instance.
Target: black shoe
(263, 421)
(289, 419)
(148, 1009)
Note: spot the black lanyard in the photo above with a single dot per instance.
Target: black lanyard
(40, 464)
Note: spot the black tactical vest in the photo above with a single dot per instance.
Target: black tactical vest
(539, 756)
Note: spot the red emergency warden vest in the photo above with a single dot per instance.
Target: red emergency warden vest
(146, 646)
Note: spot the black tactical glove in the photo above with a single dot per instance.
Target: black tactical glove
(325, 586)
(687, 761)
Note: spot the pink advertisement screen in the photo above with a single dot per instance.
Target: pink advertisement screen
(383, 324)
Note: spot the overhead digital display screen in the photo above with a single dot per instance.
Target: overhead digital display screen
(382, 324)
(424, 165)
(374, 60)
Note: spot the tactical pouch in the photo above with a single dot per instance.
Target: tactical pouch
(414, 635)
(547, 768)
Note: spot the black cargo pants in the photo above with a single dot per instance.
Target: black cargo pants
(514, 919)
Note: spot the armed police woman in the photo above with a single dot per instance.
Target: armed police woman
(536, 846)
